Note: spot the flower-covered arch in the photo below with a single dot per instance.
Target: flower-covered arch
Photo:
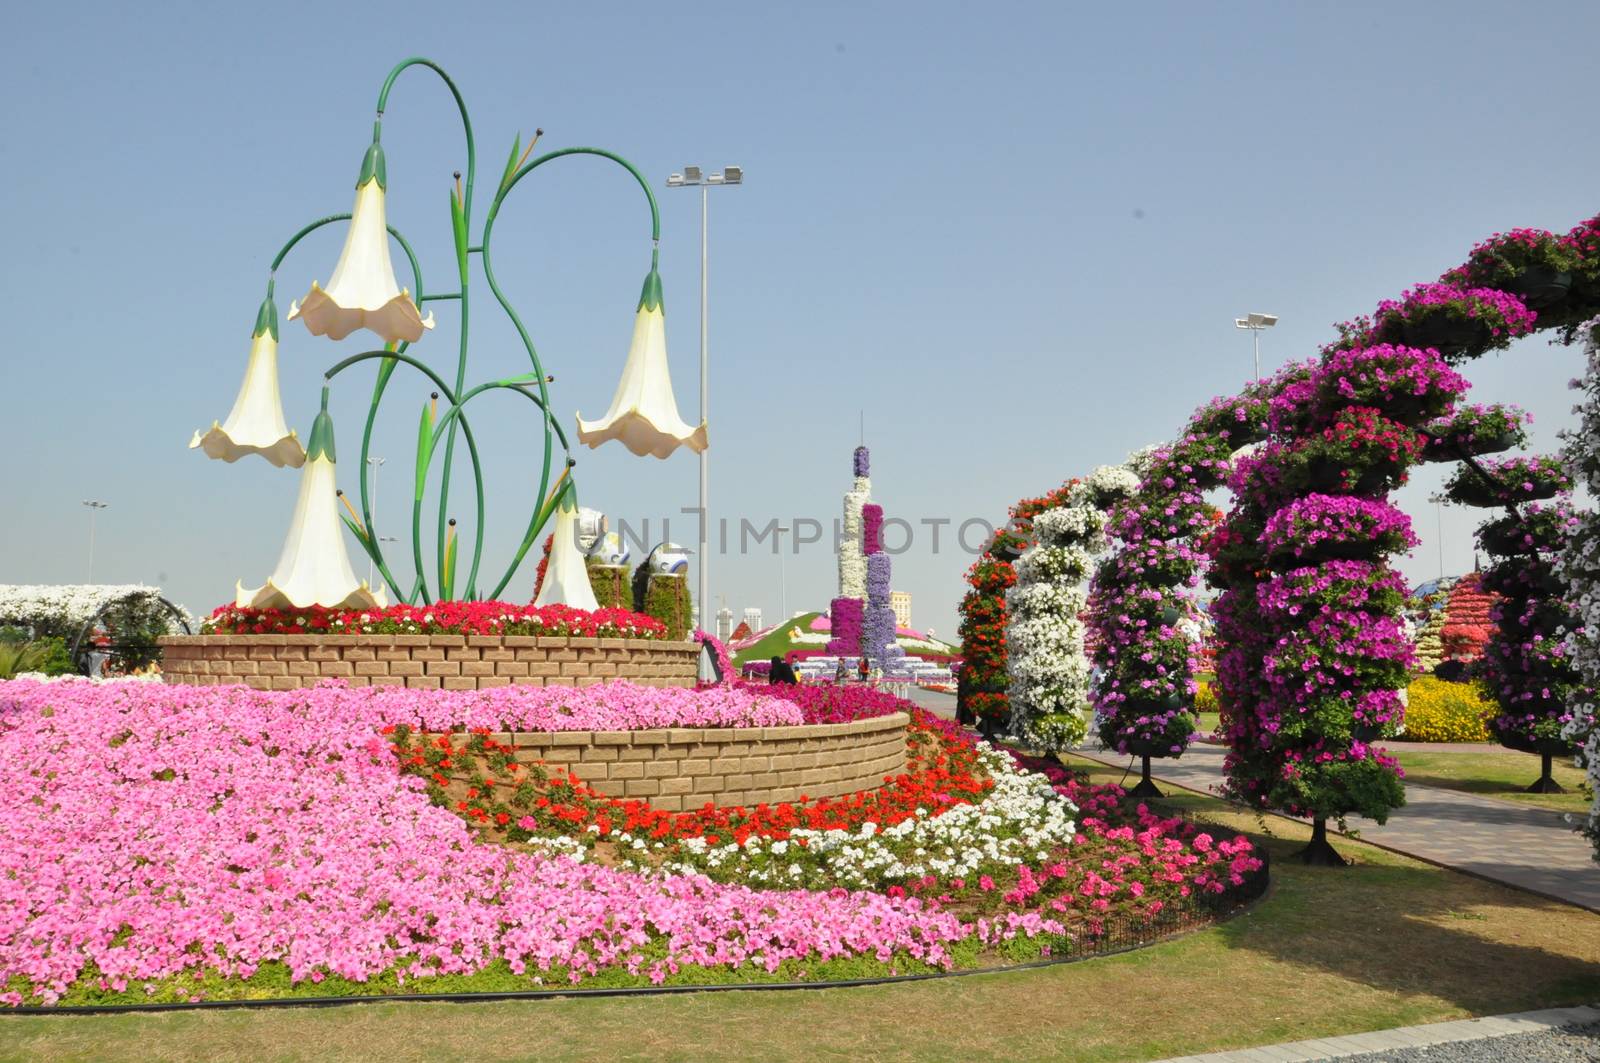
(1314, 657)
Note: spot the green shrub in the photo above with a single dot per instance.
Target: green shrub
(667, 599)
(19, 657)
(611, 585)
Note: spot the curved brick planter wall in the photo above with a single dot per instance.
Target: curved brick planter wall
(454, 662)
(681, 769)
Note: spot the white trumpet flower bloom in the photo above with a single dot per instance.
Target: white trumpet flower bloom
(256, 424)
(644, 414)
(362, 293)
(314, 568)
(566, 578)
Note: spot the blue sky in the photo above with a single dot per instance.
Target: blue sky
(1013, 235)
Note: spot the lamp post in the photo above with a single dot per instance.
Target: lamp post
(783, 574)
(692, 177)
(1438, 501)
(1255, 323)
(94, 506)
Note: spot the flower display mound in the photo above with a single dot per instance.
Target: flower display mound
(438, 618)
(267, 844)
(965, 825)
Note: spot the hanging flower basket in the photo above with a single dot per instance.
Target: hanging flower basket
(1143, 747)
(1545, 747)
(1334, 550)
(1331, 476)
(1450, 448)
(1538, 529)
(1444, 332)
(1514, 480)
(1540, 287)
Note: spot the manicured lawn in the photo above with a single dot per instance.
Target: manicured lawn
(1502, 775)
(1383, 943)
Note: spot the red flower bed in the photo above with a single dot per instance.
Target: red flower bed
(1124, 861)
(939, 775)
(440, 618)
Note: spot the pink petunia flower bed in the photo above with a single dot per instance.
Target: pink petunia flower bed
(148, 831)
(180, 843)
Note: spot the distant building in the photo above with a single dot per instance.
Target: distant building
(724, 623)
(900, 602)
(752, 616)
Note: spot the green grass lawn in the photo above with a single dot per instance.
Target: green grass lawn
(1386, 942)
(1502, 774)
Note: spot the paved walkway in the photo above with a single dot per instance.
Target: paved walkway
(1531, 848)
(1535, 849)
(1409, 1037)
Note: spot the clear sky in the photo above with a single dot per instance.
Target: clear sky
(1015, 236)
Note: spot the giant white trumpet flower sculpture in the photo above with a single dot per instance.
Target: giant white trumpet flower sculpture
(362, 293)
(314, 568)
(566, 579)
(644, 414)
(256, 425)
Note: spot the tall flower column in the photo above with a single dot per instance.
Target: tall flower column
(1317, 650)
(1580, 566)
(1525, 661)
(847, 612)
(878, 643)
(1045, 634)
(1143, 611)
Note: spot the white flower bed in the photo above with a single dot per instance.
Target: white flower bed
(1580, 567)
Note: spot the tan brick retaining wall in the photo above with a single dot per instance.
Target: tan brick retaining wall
(681, 769)
(453, 662)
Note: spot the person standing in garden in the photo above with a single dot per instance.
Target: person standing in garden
(779, 671)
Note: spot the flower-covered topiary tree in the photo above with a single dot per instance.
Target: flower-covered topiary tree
(982, 684)
(1580, 567)
(1045, 633)
(1143, 610)
(1317, 650)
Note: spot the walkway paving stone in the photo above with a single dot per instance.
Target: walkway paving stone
(1534, 849)
(1409, 1037)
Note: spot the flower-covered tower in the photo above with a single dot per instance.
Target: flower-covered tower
(847, 612)
(878, 643)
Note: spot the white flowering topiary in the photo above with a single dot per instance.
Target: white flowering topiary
(1044, 634)
(1580, 568)
(61, 608)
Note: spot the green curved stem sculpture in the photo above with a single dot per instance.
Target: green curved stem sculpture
(533, 385)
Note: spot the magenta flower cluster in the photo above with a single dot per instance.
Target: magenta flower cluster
(871, 528)
(1392, 379)
(1517, 319)
(1313, 524)
(846, 615)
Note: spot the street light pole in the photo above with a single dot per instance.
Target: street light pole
(783, 575)
(94, 506)
(1255, 323)
(689, 178)
(1438, 501)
